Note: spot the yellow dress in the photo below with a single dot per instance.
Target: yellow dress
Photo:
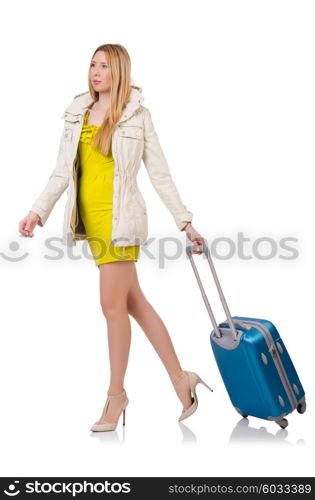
(95, 194)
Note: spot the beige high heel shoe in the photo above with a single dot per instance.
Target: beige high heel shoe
(111, 426)
(194, 380)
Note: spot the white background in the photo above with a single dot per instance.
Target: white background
(230, 86)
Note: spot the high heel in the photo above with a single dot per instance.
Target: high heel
(194, 380)
(111, 426)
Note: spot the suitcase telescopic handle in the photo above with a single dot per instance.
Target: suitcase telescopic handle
(205, 249)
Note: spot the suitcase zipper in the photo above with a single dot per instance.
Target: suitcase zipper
(277, 361)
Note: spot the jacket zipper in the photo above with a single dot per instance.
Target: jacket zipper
(116, 167)
(73, 215)
(276, 358)
(115, 156)
(74, 209)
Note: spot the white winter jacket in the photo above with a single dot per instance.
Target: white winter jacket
(134, 139)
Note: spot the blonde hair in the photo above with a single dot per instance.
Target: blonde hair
(120, 68)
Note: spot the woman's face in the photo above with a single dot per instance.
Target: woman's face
(100, 74)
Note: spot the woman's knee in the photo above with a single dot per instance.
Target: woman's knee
(113, 308)
(136, 301)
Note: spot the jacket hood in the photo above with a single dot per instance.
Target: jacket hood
(82, 101)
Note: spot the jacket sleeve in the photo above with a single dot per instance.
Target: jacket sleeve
(56, 185)
(160, 176)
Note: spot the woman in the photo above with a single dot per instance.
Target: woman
(106, 135)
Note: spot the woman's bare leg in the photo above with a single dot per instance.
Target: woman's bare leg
(151, 323)
(115, 283)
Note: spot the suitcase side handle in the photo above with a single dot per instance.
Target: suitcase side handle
(205, 249)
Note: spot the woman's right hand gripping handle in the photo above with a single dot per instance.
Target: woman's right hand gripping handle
(27, 224)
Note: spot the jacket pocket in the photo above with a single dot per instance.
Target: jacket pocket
(69, 117)
(130, 131)
(71, 122)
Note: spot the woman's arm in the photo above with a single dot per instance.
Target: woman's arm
(56, 185)
(160, 176)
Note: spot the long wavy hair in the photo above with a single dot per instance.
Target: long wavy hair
(120, 68)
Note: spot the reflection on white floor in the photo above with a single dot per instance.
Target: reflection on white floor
(242, 434)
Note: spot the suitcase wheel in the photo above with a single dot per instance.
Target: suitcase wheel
(301, 407)
(240, 412)
(283, 423)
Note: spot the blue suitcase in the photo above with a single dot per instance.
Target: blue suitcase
(255, 366)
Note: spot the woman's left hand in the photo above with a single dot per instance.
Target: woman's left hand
(194, 237)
